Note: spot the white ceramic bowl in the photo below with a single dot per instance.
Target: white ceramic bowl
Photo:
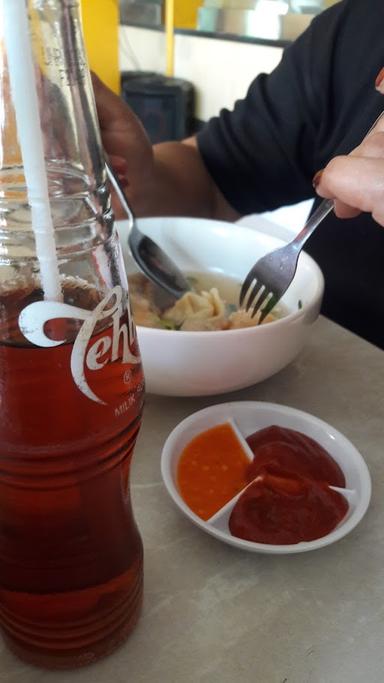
(249, 416)
(178, 363)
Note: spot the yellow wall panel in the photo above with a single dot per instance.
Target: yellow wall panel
(101, 24)
(186, 13)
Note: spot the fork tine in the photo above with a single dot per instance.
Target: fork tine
(260, 301)
(268, 307)
(258, 287)
(245, 286)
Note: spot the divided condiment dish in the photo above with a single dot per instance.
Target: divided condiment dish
(245, 418)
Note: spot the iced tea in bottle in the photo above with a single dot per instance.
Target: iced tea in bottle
(71, 381)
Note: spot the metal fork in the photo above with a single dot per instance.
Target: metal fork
(271, 275)
(274, 272)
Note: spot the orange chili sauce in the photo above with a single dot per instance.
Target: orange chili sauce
(211, 470)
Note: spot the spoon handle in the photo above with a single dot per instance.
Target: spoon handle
(115, 182)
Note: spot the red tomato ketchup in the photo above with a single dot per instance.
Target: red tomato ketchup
(290, 499)
(294, 452)
(283, 510)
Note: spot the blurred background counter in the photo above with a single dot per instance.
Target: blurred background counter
(219, 46)
(219, 69)
(253, 18)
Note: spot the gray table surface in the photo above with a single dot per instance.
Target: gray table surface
(214, 614)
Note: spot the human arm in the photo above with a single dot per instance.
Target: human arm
(261, 154)
(319, 102)
(166, 179)
(264, 153)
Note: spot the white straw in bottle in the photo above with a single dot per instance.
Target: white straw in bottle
(18, 47)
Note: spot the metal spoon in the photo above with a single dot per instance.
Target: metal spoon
(150, 258)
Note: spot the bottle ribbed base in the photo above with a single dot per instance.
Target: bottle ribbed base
(70, 645)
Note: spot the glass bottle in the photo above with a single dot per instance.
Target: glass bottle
(71, 381)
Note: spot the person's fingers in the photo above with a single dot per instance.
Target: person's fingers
(124, 140)
(372, 145)
(119, 126)
(111, 109)
(120, 167)
(358, 184)
(379, 83)
(113, 118)
(357, 181)
(344, 210)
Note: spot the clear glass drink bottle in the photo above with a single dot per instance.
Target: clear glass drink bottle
(71, 381)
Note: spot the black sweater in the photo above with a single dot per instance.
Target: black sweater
(319, 102)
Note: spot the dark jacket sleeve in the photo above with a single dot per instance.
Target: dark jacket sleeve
(264, 153)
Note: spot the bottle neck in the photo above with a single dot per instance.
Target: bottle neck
(78, 192)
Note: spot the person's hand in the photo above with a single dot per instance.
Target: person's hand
(168, 179)
(356, 181)
(125, 141)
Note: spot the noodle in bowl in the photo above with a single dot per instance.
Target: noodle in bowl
(179, 362)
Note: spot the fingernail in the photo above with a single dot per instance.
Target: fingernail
(379, 82)
(123, 180)
(120, 166)
(316, 178)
